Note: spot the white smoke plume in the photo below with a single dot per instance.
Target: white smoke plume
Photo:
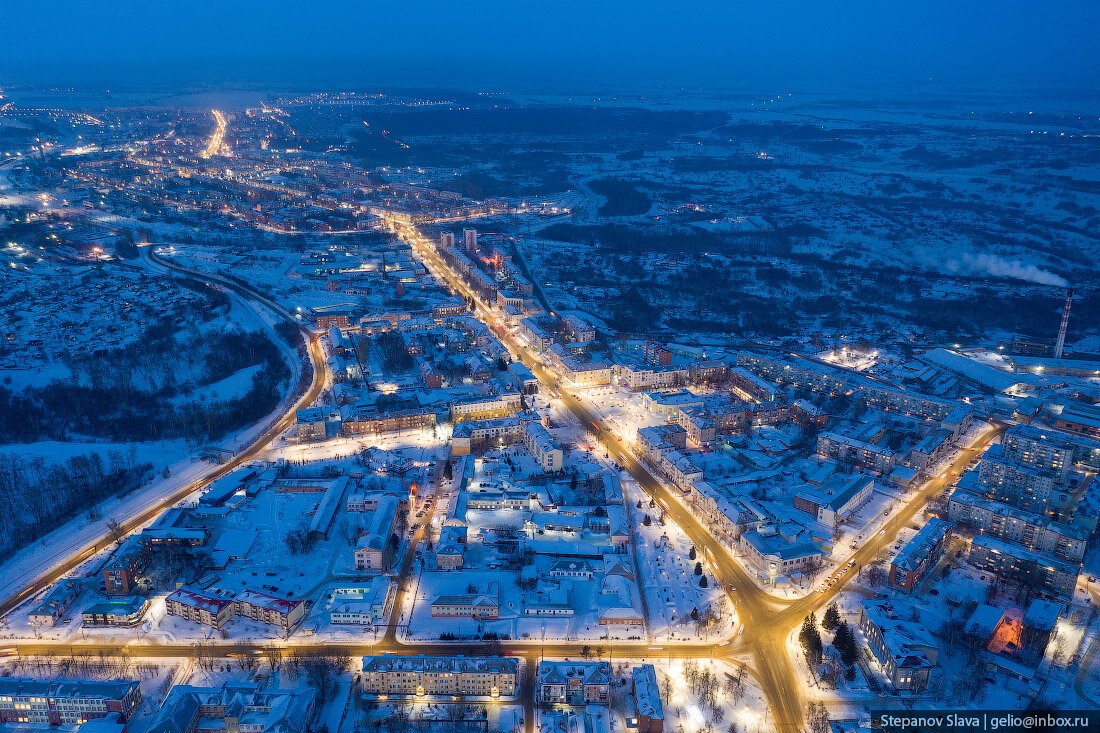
(994, 266)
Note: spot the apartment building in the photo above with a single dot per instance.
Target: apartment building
(422, 675)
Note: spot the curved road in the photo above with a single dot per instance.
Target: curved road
(317, 360)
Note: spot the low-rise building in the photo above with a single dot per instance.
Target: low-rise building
(779, 551)
(66, 702)
(835, 501)
(361, 605)
(468, 605)
(904, 649)
(240, 707)
(573, 683)
(117, 612)
(56, 602)
(199, 606)
(422, 675)
(269, 609)
(920, 554)
(649, 712)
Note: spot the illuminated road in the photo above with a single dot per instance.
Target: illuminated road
(767, 622)
(216, 145)
(319, 375)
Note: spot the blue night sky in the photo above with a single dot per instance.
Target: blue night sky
(985, 42)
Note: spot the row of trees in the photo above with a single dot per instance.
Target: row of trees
(36, 496)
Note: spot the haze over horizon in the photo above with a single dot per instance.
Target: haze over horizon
(980, 44)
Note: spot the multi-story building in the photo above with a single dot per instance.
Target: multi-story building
(269, 609)
(776, 552)
(845, 449)
(1049, 451)
(372, 423)
(362, 605)
(535, 333)
(55, 604)
(487, 408)
(542, 446)
(120, 574)
(904, 649)
(578, 328)
(650, 376)
(374, 550)
(1034, 531)
(1014, 483)
(310, 424)
(573, 683)
(118, 612)
(920, 554)
(1015, 563)
(649, 712)
(66, 702)
(239, 707)
(422, 675)
(199, 606)
(752, 388)
(835, 501)
(586, 373)
(930, 450)
(802, 374)
(468, 605)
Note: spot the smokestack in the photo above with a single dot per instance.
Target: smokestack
(1060, 344)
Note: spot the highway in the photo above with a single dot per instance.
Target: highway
(67, 564)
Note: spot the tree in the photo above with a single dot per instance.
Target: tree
(810, 639)
(817, 717)
(115, 531)
(875, 575)
(448, 471)
(845, 643)
(648, 521)
(698, 568)
(831, 619)
(692, 553)
(703, 581)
